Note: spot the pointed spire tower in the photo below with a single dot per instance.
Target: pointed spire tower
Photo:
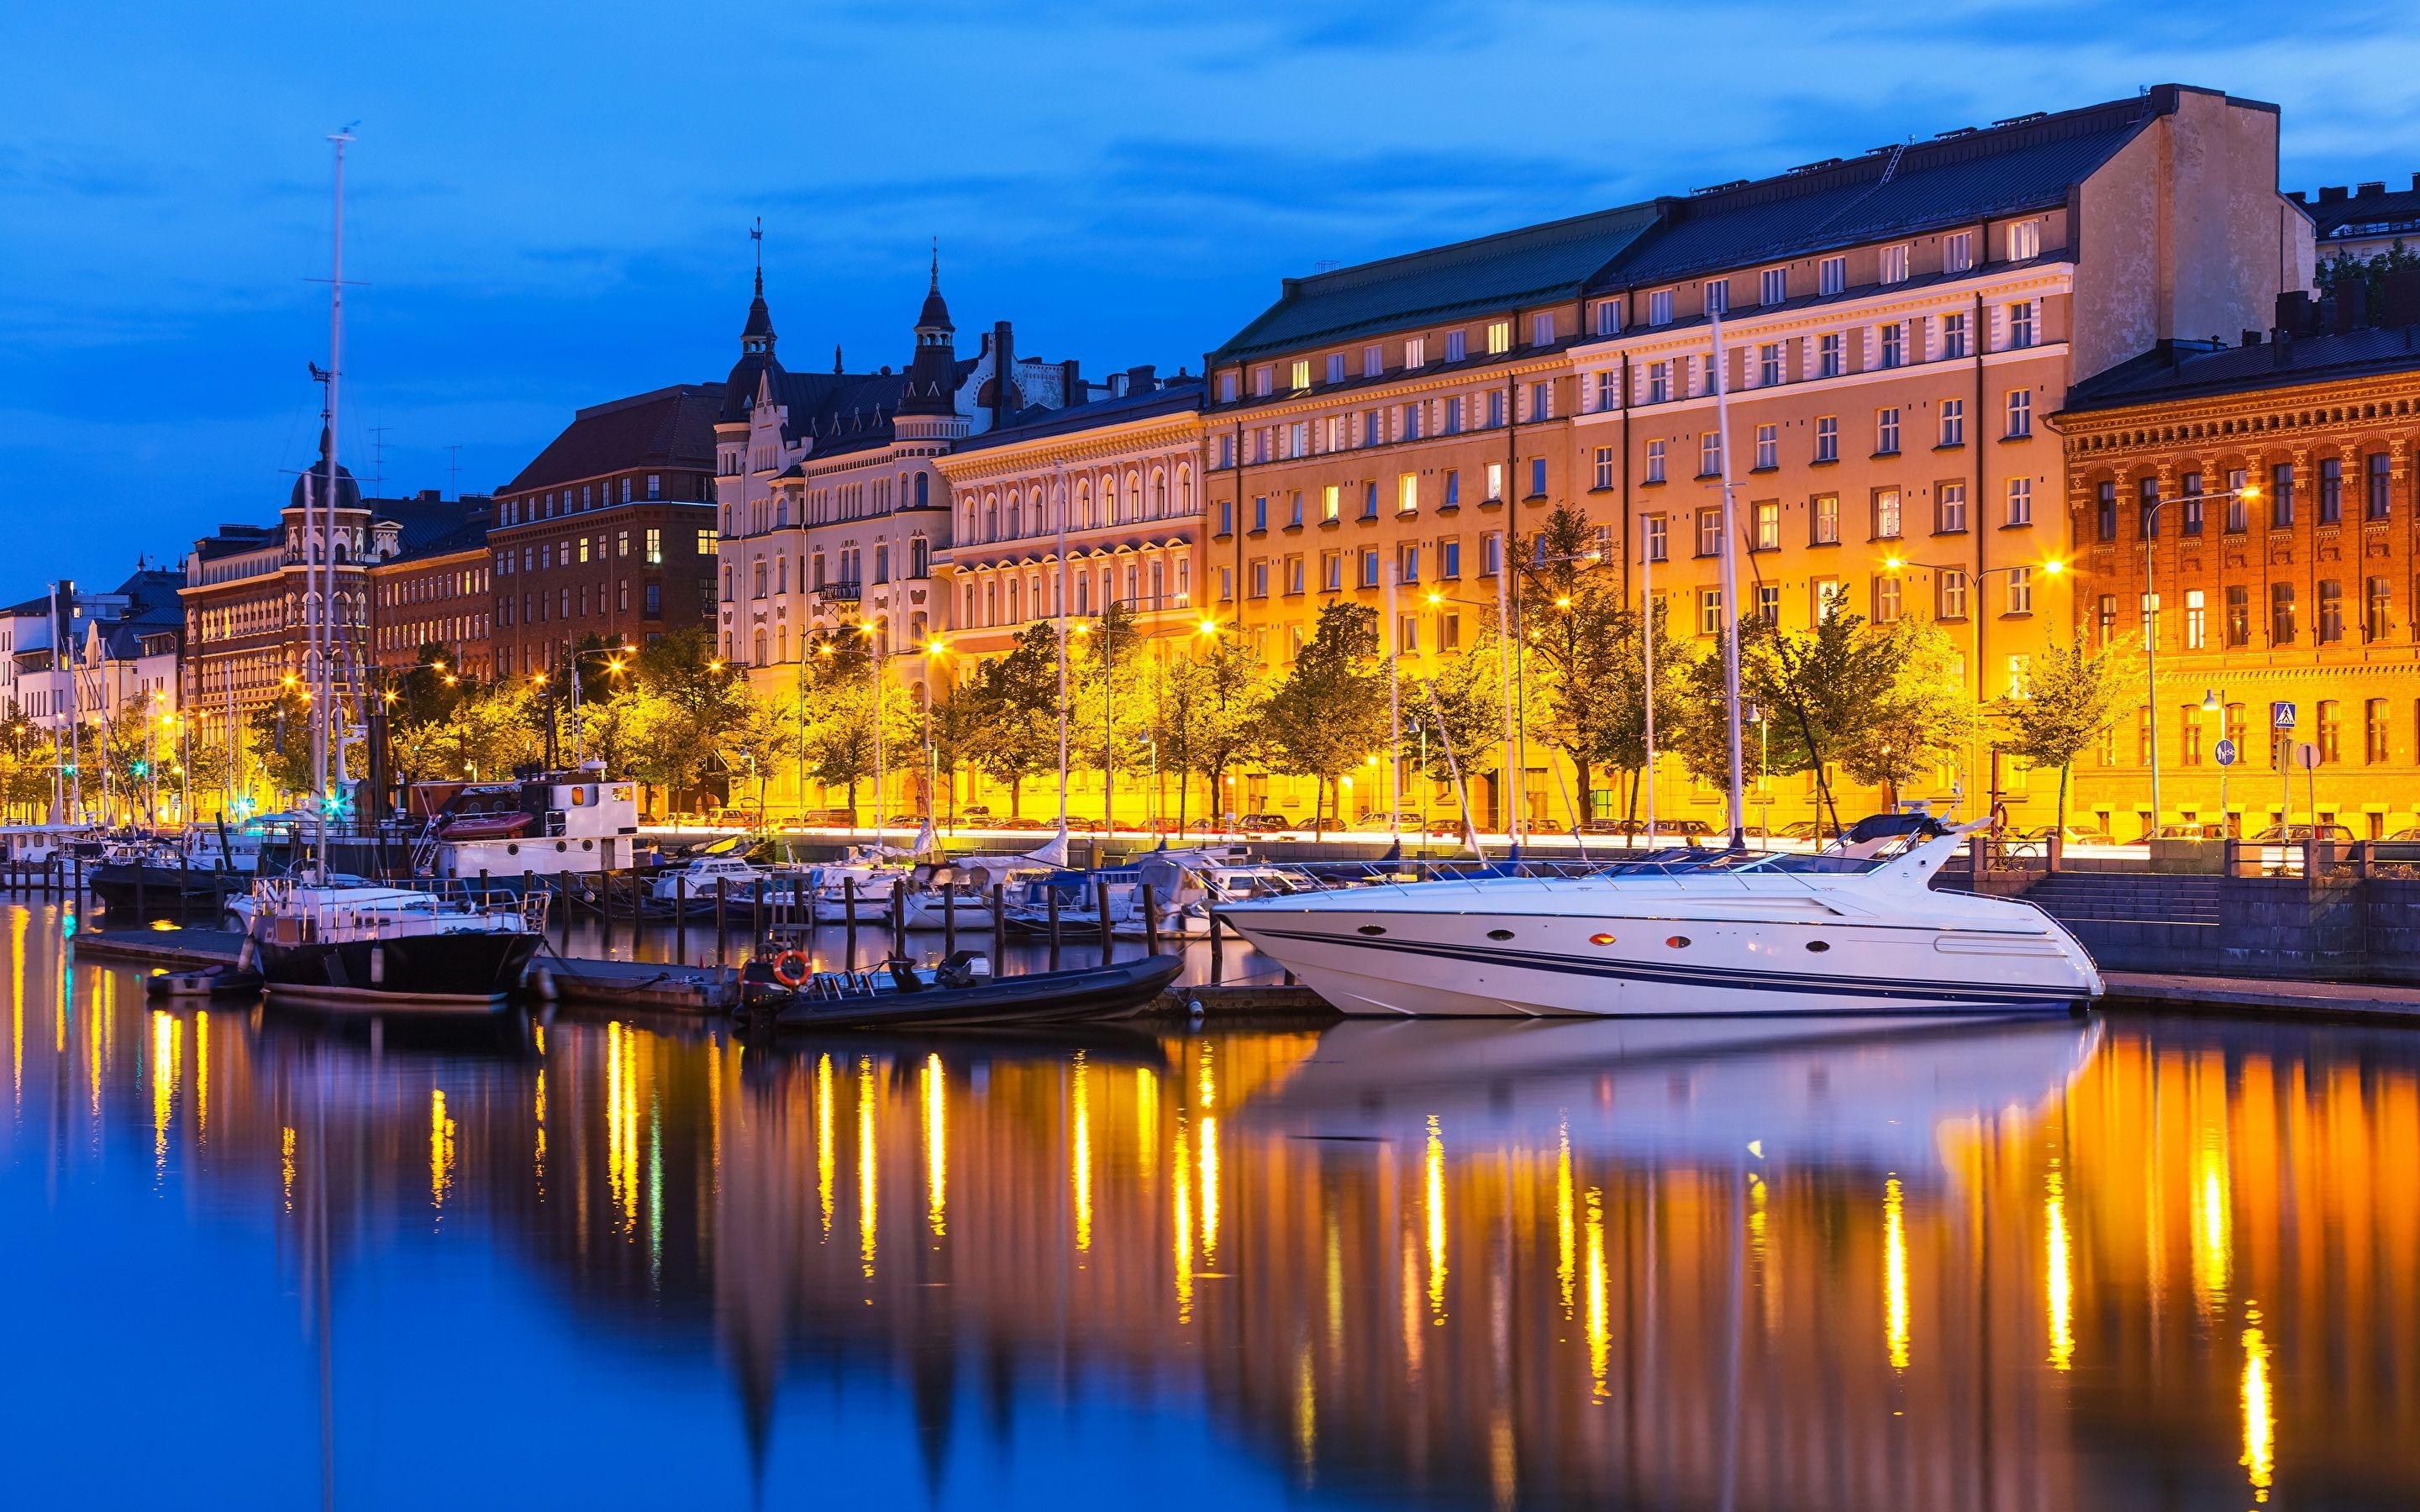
(756, 344)
(933, 374)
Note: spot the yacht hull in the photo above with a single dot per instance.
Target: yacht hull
(466, 972)
(1523, 965)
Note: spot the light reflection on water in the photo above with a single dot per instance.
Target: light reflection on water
(2040, 1265)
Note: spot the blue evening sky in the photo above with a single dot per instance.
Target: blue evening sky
(549, 202)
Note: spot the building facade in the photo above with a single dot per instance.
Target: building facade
(1892, 329)
(607, 533)
(2364, 219)
(438, 590)
(2252, 512)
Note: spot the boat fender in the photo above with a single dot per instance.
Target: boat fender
(378, 965)
(791, 968)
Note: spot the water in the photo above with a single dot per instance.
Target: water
(261, 1263)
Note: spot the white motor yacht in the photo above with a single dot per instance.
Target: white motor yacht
(1858, 930)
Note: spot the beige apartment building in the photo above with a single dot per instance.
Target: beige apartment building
(1894, 328)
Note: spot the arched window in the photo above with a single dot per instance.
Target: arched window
(1083, 592)
(1160, 493)
(991, 517)
(1014, 614)
(920, 557)
(1185, 489)
(991, 602)
(782, 572)
(1134, 495)
(758, 647)
(924, 482)
(1083, 506)
(1015, 517)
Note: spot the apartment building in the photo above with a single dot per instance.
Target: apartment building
(437, 590)
(2252, 510)
(609, 531)
(2364, 219)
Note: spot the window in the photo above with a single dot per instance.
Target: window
(2021, 590)
(1659, 307)
(654, 548)
(1768, 447)
(2238, 514)
(1608, 317)
(1772, 286)
(1719, 296)
(1953, 334)
(1950, 508)
(1710, 533)
(1827, 438)
(1542, 400)
(1768, 525)
(2020, 323)
(1658, 539)
(2281, 496)
(1536, 477)
(1294, 509)
(1831, 275)
(1886, 513)
(2189, 735)
(1294, 576)
(1829, 596)
(2021, 502)
(1886, 431)
(2025, 241)
(1953, 594)
(2190, 502)
(1958, 252)
(1894, 344)
(1227, 388)
(2147, 509)
(2330, 732)
(1768, 364)
(2281, 614)
(1953, 422)
(1830, 359)
(1710, 454)
(1823, 512)
(652, 605)
(2330, 490)
(1260, 579)
(1659, 381)
(1603, 475)
(2331, 611)
(1260, 512)
(1452, 488)
(1894, 265)
(2197, 619)
(1710, 612)
(1458, 345)
(1768, 603)
(1331, 571)
(1408, 492)
(2239, 615)
(1608, 390)
(1226, 516)
(1264, 381)
(1411, 426)
(1370, 499)
(1886, 600)
(1655, 461)
(2374, 613)
(2104, 519)
(1495, 483)
(1541, 328)
(1301, 374)
(1331, 503)
(2020, 412)
(1499, 337)
(2376, 467)
(1449, 559)
(1490, 554)
(1374, 361)
(1335, 367)
(2373, 732)
(2150, 605)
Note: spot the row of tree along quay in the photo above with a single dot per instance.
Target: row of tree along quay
(1871, 703)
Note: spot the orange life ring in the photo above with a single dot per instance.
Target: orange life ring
(791, 969)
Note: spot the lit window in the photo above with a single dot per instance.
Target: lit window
(1768, 525)
(1825, 519)
(1886, 513)
(2020, 591)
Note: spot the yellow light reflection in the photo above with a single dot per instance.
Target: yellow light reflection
(1209, 1194)
(201, 1074)
(622, 1124)
(19, 922)
(2260, 1460)
(1895, 1272)
(937, 1147)
(2212, 1221)
(163, 1084)
(1432, 1166)
(2059, 1283)
(538, 1110)
(865, 1164)
(1079, 1157)
(824, 1159)
(286, 1161)
(1146, 1117)
(1566, 1240)
(1305, 1410)
(1599, 1328)
(440, 1147)
(1182, 1203)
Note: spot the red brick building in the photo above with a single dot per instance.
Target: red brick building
(609, 531)
(438, 590)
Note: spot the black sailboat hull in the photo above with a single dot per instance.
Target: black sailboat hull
(467, 972)
(127, 888)
(1036, 997)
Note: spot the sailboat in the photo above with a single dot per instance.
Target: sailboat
(324, 942)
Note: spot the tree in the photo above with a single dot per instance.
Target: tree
(482, 737)
(953, 726)
(1579, 643)
(1107, 714)
(1015, 699)
(689, 702)
(1211, 709)
(1463, 709)
(840, 701)
(1818, 689)
(279, 742)
(769, 736)
(1329, 711)
(2337, 276)
(1923, 720)
(2071, 697)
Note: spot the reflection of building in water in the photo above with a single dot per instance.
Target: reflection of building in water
(2183, 1274)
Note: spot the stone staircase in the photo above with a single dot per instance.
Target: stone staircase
(2132, 920)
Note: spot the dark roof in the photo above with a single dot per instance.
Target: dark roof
(671, 427)
(349, 492)
(1534, 265)
(151, 596)
(1175, 396)
(429, 527)
(2177, 371)
(1953, 179)
(234, 539)
(2375, 210)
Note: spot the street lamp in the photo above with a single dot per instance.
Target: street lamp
(580, 735)
(2213, 701)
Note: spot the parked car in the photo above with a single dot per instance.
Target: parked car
(1263, 824)
(821, 819)
(1800, 829)
(2185, 832)
(2294, 834)
(1382, 821)
(2077, 835)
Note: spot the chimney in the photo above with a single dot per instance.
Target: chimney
(2251, 337)
(2398, 303)
(1142, 378)
(2299, 197)
(2365, 191)
(1004, 359)
(2327, 318)
(1071, 381)
(2331, 193)
(2353, 305)
(2293, 311)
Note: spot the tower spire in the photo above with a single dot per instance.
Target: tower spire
(936, 286)
(756, 235)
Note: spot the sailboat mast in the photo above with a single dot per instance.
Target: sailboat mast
(323, 564)
(1731, 586)
(1063, 653)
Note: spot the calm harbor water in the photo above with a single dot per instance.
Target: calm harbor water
(259, 1262)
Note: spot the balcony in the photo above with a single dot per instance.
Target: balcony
(841, 593)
